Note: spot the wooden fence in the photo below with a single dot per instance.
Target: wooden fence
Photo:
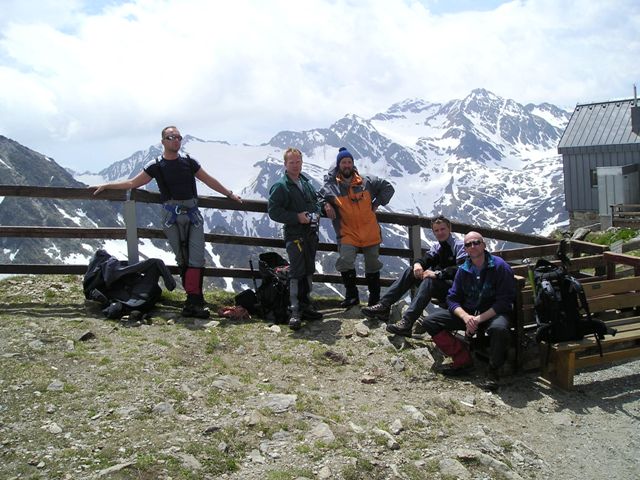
(132, 233)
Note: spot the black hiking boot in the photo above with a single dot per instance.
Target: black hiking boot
(378, 311)
(351, 297)
(350, 302)
(458, 371)
(295, 322)
(194, 307)
(419, 329)
(308, 312)
(403, 327)
(492, 382)
(373, 284)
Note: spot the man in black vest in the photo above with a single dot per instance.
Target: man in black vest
(182, 223)
(433, 274)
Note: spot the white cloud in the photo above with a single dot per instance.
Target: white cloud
(96, 84)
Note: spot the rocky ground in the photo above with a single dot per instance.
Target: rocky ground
(165, 398)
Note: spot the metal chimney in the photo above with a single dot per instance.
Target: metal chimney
(635, 113)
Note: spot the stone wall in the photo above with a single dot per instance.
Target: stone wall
(584, 219)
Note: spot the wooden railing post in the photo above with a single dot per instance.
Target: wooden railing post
(415, 241)
(131, 225)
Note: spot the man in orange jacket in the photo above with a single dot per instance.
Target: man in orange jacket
(352, 200)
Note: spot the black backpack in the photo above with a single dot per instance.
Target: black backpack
(273, 293)
(561, 308)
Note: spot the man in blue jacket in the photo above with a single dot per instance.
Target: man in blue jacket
(481, 299)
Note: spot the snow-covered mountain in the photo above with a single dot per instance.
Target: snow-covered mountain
(480, 160)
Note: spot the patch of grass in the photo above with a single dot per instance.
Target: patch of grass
(69, 388)
(218, 364)
(270, 428)
(607, 238)
(176, 394)
(266, 387)
(213, 342)
(219, 298)
(289, 474)
(303, 448)
(363, 469)
(283, 359)
(311, 404)
(215, 461)
(413, 472)
(214, 397)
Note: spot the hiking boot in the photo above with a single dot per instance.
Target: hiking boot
(351, 297)
(403, 327)
(456, 371)
(195, 311)
(373, 284)
(419, 329)
(492, 382)
(378, 311)
(307, 312)
(294, 322)
(350, 302)
(195, 306)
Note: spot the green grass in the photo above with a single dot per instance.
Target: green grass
(289, 474)
(607, 238)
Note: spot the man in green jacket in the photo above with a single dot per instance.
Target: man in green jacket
(294, 202)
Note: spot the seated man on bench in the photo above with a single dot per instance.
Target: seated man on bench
(481, 297)
(433, 273)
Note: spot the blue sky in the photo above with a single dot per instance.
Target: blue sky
(90, 82)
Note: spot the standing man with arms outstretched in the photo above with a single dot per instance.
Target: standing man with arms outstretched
(481, 298)
(294, 202)
(182, 222)
(352, 200)
(433, 274)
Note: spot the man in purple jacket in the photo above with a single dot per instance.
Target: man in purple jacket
(481, 298)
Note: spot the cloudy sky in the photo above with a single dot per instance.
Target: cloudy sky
(88, 82)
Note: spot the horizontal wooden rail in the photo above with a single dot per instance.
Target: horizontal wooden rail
(35, 269)
(260, 206)
(510, 255)
(120, 234)
(63, 232)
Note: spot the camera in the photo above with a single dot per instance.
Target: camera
(314, 220)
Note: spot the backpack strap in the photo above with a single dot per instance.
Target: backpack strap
(584, 305)
(162, 183)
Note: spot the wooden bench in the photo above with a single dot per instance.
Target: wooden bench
(585, 257)
(614, 300)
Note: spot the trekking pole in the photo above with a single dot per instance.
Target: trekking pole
(561, 254)
(527, 261)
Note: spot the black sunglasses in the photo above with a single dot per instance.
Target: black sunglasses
(472, 243)
(173, 137)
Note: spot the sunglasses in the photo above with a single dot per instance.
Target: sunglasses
(173, 137)
(472, 243)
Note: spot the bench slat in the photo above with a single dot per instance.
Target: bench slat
(618, 322)
(625, 333)
(607, 357)
(606, 287)
(609, 302)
